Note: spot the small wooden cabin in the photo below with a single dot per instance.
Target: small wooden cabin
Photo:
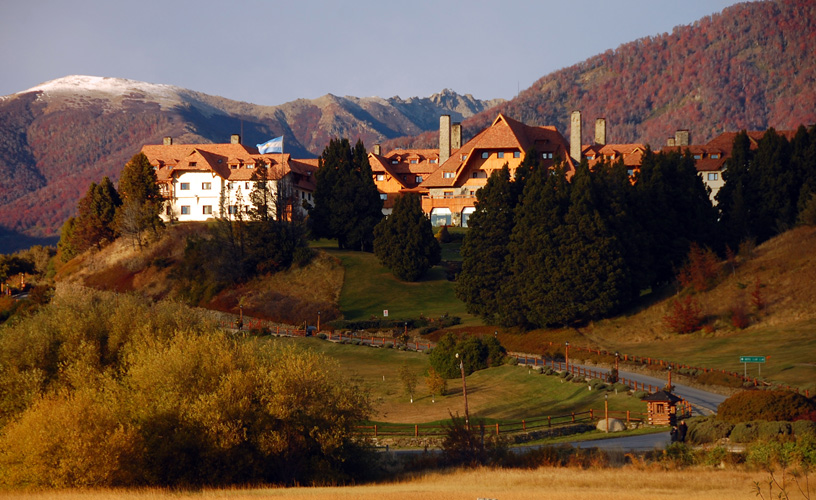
(661, 408)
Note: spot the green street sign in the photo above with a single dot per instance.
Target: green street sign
(752, 359)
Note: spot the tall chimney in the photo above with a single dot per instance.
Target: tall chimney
(444, 138)
(235, 139)
(456, 136)
(377, 149)
(575, 136)
(682, 138)
(168, 141)
(600, 131)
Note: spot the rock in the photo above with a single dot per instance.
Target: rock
(615, 425)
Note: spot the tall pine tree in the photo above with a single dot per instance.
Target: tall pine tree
(404, 241)
(142, 201)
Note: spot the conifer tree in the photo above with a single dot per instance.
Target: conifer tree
(347, 203)
(141, 199)
(404, 242)
(94, 222)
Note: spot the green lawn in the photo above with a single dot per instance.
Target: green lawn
(503, 394)
(369, 289)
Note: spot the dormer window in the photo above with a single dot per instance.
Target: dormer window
(413, 162)
(394, 162)
(500, 154)
(464, 157)
(715, 156)
(590, 157)
(698, 156)
(448, 175)
(434, 161)
(380, 177)
(516, 154)
(485, 155)
(193, 164)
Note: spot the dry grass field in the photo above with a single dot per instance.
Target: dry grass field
(629, 483)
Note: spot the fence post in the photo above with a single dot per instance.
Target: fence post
(627, 416)
(591, 414)
(497, 428)
(573, 417)
(375, 430)
(523, 425)
(549, 422)
(416, 430)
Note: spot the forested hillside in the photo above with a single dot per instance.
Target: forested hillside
(750, 67)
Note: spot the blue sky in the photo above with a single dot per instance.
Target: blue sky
(271, 52)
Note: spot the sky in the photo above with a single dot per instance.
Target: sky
(270, 52)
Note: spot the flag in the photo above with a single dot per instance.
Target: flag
(271, 146)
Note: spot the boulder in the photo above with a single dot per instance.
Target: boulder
(615, 425)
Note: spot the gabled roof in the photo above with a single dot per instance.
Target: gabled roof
(503, 134)
(662, 396)
(632, 154)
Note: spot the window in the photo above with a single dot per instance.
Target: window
(630, 172)
(500, 154)
(309, 196)
(485, 154)
(698, 156)
(185, 210)
(715, 156)
(418, 179)
(233, 209)
(246, 185)
(516, 154)
(229, 185)
(413, 162)
(448, 175)
(380, 177)
(207, 209)
(206, 186)
(383, 196)
(168, 210)
(448, 194)
(464, 157)
(185, 186)
(713, 176)
(546, 156)
(193, 164)
(394, 162)
(434, 161)
(233, 167)
(590, 157)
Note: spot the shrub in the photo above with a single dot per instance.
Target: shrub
(701, 269)
(739, 316)
(389, 345)
(707, 430)
(471, 446)
(773, 430)
(685, 315)
(764, 405)
(745, 432)
(322, 336)
(719, 378)
(804, 428)
(678, 454)
(620, 387)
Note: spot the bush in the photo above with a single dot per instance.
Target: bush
(322, 336)
(745, 432)
(389, 345)
(707, 430)
(719, 378)
(471, 447)
(620, 387)
(685, 315)
(764, 405)
(773, 430)
(804, 428)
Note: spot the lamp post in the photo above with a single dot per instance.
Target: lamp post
(669, 387)
(606, 410)
(464, 390)
(318, 321)
(566, 361)
(617, 373)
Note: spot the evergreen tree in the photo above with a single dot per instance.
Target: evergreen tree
(404, 242)
(776, 184)
(93, 225)
(485, 253)
(347, 204)
(536, 250)
(675, 209)
(731, 199)
(262, 198)
(141, 199)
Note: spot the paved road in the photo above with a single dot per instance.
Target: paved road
(702, 402)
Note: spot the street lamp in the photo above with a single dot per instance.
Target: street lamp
(318, 321)
(669, 387)
(606, 410)
(464, 390)
(566, 361)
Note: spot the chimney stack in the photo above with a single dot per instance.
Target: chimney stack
(682, 138)
(168, 141)
(377, 149)
(235, 139)
(670, 142)
(444, 138)
(575, 136)
(456, 136)
(600, 131)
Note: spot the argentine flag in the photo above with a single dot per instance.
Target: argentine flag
(271, 146)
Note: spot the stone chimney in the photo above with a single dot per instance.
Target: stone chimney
(235, 139)
(456, 136)
(444, 138)
(600, 131)
(575, 136)
(168, 141)
(377, 150)
(682, 138)
(670, 141)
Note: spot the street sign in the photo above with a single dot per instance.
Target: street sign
(385, 314)
(752, 359)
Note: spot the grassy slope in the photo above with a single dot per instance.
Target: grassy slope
(501, 393)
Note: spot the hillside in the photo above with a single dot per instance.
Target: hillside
(749, 67)
(58, 137)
